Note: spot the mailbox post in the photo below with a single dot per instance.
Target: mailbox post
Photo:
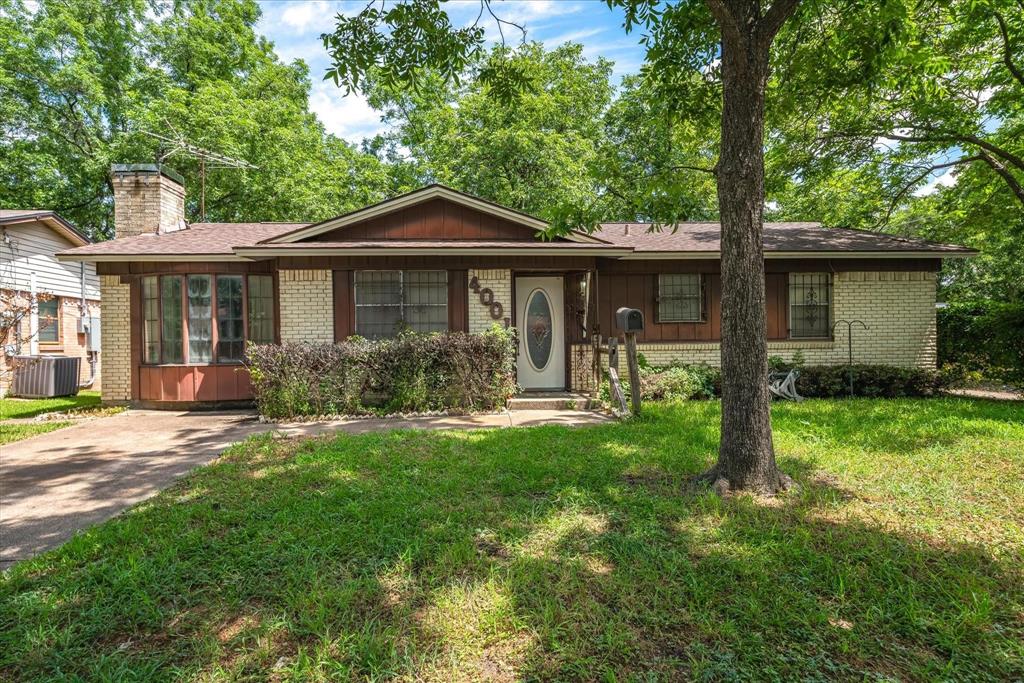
(631, 321)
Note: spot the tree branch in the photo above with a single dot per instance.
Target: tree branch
(775, 17)
(1007, 52)
(1005, 174)
(915, 180)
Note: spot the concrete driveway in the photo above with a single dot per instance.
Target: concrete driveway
(55, 484)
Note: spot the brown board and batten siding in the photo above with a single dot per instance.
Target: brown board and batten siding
(432, 220)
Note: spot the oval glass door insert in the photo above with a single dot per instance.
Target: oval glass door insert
(538, 329)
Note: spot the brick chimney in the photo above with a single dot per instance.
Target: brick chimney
(148, 198)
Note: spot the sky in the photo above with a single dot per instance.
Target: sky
(295, 26)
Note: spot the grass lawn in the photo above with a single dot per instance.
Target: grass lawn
(16, 431)
(557, 554)
(31, 407)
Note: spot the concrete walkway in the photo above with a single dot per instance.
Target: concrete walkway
(55, 484)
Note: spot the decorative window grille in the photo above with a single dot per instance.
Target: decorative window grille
(389, 301)
(810, 305)
(680, 298)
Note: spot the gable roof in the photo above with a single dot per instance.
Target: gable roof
(414, 198)
(690, 240)
(47, 218)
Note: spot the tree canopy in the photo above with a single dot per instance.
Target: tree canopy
(81, 83)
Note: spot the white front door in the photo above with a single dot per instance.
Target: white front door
(540, 319)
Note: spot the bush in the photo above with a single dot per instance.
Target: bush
(454, 372)
(985, 337)
(816, 381)
(679, 382)
(875, 381)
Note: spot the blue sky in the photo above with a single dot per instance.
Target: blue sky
(295, 26)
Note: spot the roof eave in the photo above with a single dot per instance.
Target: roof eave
(269, 252)
(832, 254)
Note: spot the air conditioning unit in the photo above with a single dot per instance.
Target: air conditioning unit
(45, 376)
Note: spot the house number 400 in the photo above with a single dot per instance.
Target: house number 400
(487, 298)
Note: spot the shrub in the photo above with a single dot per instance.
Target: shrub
(816, 381)
(455, 372)
(985, 337)
(876, 381)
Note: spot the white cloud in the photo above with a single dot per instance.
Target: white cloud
(572, 36)
(947, 179)
(349, 117)
(313, 14)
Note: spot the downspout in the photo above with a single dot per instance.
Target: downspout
(83, 313)
(33, 316)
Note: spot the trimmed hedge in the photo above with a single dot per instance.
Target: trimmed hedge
(414, 373)
(986, 337)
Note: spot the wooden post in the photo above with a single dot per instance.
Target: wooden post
(613, 353)
(595, 370)
(634, 371)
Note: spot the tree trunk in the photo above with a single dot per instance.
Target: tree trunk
(746, 456)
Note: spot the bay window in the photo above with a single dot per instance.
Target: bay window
(389, 301)
(202, 319)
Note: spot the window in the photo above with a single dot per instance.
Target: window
(151, 318)
(171, 329)
(230, 333)
(261, 309)
(49, 321)
(680, 298)
(202, 318)
(388, 301)
(810, 298)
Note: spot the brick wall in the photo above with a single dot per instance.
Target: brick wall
(499, 281)
(146, 202)
(898, 308)
(307, 305)
(115, 339)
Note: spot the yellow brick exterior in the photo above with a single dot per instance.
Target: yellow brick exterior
(499, 281)
(306, 305)
(897, 307)
(115, 339)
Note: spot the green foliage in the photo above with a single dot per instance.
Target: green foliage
(985, 337)
(555, 554)
(81, 81)
(871, 381)
(412, 373)
(537, 153)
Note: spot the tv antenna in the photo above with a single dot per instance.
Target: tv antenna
(207, 159)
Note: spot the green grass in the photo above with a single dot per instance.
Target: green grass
(30, 407)
(16, 431)
(552, 553)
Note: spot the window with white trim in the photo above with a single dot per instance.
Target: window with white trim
(810, 305)
(680, 298)
(49, 320)
(390, 301)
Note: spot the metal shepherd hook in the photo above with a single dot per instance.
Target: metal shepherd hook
(849, 345)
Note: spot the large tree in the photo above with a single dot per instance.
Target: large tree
(81, 82)
(733, 38)
(538, 153)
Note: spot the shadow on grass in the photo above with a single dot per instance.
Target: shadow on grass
(546, 553)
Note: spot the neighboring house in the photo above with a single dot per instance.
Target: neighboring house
(179, 302)
(29, 240)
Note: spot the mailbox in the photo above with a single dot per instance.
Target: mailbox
(629, 319)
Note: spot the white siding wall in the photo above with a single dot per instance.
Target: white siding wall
(31, 249)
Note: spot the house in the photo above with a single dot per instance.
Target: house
(180, 301)
(67, 294)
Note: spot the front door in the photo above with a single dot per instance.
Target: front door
(540, 317)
